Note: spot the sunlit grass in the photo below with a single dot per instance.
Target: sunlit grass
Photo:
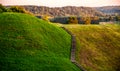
(98, 46)
(30, 44)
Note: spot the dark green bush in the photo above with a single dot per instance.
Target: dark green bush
(2, 8)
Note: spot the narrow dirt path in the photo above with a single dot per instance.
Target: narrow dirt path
(73, 49)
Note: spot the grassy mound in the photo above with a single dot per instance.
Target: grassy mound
(98, 46)
(30, 44)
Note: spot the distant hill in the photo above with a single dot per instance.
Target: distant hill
(72, 10)
(63, 11)
(109, 9)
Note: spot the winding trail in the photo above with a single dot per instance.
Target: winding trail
(73, 49)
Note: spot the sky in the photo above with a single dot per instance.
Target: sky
(61, 3)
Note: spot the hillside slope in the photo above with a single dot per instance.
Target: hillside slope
(30, 44)
(63, 11)
(109, 9)
(98, 46)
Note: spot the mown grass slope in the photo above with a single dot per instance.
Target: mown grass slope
(98, 46)
(31, 44)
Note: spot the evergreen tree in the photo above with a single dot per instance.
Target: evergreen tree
(117, 18)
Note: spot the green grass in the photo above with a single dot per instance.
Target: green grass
(30, 44)
(98, 46)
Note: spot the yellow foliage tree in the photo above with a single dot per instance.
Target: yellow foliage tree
(87, 20)
(72, 20)
(45, 17)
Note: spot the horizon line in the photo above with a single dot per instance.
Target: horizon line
(61, 6)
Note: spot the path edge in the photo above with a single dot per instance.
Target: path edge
(73, 49)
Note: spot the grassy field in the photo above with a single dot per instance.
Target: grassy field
(98, 46)
(30, 44)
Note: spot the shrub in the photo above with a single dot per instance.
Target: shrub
(2, 8)
(45, 17)
(18, 9)
(1, 11)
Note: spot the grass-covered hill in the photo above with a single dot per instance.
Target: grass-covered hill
(31, 44)
(98, 46)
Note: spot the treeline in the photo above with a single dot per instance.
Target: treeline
(17, 9)
(76, 20)
(64, 15)
(84, 20)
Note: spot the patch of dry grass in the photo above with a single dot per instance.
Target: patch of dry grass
(98, 46)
